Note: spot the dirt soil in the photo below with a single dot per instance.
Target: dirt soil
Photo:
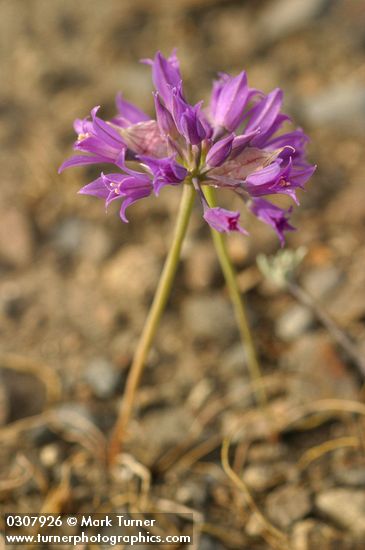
(75, 284)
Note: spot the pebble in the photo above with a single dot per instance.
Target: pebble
(234, 360)
(20, 389)
(4, 404)
(13, 301)
(16, 238)
(172, 426)
(209, 543)
(286, 16)
(310, 534)
(209, 317)
(345, 507)
(294, 322)
(132, 274)
(321, 281)
(78, 238)
(201, 266)
(254, 526)
(262, 477)
(353, 476)
(194, 493)
(66, 411)
(266, 452)
(287, 504)
(102, 377)
(341, 105)
(321, 372)
(49, 455)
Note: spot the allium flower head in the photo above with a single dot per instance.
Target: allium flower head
(232, 143)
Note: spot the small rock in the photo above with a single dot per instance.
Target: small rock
(286, 16)
(13, 302)
(293, 322)
(16, 239)
(201, 266)
(310, 534)
(321, 372)
(76, 418)
(287, 504)
(266, 452)
(209, 543)
(25, 393)
(321, 281)
(234, 360)
(341, 105)
(193, 493)
(168, 426)
(78, 238)
(209, 318)
(346, 507)
(353, 476)
(49, 455)
(254, 526)
(102, 377)
(4, 404)
(262, 477)
(132, 273)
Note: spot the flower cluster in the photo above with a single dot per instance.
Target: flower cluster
(232, 143)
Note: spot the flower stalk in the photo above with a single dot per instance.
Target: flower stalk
(238, 305)
(151, 324)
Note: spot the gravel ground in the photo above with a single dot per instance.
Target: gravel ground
(75, 284)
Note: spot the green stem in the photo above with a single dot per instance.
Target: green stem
(238, 304)
(151, 324)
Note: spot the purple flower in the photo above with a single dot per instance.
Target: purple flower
(220, 151)
(229, 99)
(272, 215)
(127, 113)
(98, 140)
(231, 144)
(128, 187)
(165, 171)
(187, 118)
(223, 220)
(165, 75)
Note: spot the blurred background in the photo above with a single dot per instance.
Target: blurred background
(75, 284)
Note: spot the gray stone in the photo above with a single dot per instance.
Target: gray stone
(20, 389)
(209, 543)
(168, 426)
(320, 371)
(310, 534)
(262, 477)
(71, 409)
(49, 455)
(132, 273)
(287, 16)
(78, 238)
(266, 452)
(345, 507)
(287, 504)
(254, 526)
(341, 105)
(234, 360)
(293, 322)
(321, 281)
(102, 377)
(209, 317)
(194, 493)
(353, 476)
(16, 238)
(4, 404)
(201, 266)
